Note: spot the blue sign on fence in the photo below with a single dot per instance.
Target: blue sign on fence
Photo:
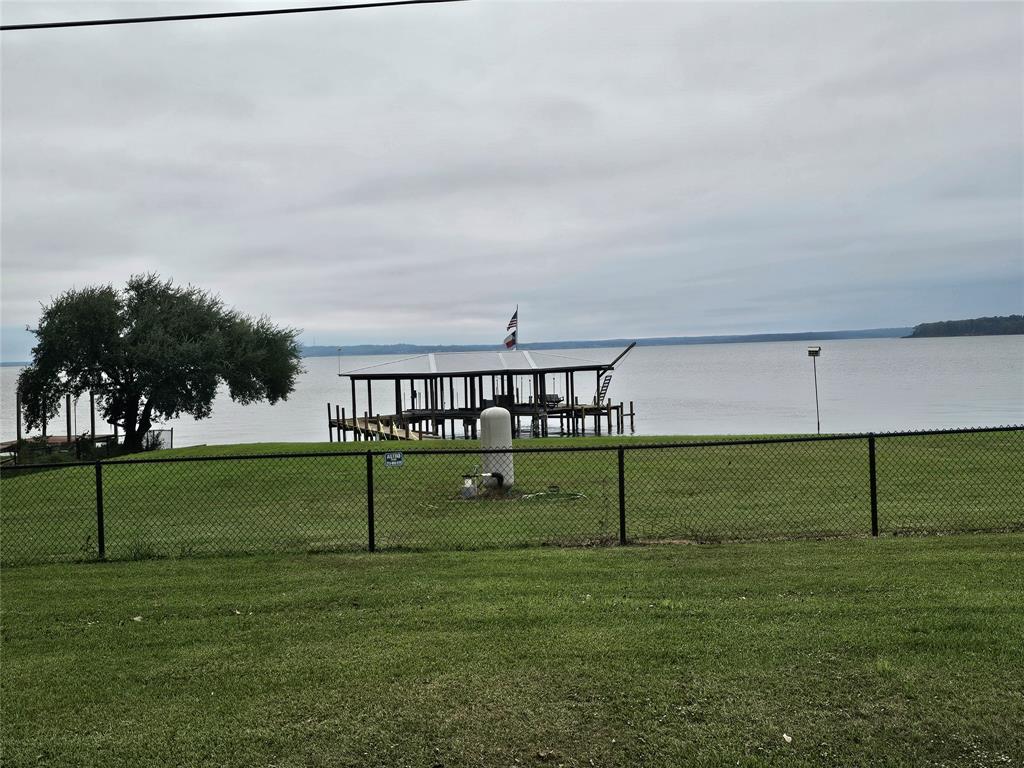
(394, 459)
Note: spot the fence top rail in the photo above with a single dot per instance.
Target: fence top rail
(5, 468)
(609, 448)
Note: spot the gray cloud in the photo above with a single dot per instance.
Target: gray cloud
(615, 168)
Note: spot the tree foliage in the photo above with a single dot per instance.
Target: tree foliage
(979, 326)
(153, 351)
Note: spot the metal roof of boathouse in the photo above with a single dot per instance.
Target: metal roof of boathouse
(483, 364)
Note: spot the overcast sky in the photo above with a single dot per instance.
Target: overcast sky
(616, 169)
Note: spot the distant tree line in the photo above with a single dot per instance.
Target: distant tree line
(659, 341)
(979, 326)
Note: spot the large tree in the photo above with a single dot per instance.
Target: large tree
(153, 351)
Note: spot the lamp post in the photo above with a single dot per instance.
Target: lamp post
(814, 353)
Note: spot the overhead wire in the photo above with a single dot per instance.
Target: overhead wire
(218, 15)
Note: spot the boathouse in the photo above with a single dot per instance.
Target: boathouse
(442, 394)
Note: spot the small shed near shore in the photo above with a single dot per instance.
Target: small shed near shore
(442, 394)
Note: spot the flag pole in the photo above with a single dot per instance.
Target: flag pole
(512, 340)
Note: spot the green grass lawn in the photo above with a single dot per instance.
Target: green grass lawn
(926, 484)
(897, 651)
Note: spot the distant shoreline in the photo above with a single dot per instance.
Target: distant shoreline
(656, 341)
(353, 350)
(653, 341)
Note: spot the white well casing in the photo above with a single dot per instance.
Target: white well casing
(496, 435)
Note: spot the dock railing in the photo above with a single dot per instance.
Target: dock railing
(863, 485)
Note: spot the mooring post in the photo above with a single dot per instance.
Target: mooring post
(355, 414)
(874, 485)
(337, 420)
(622, 495)
(344, 430)
(330, 428)
(101, 544)
(369, 501)
(632, 428)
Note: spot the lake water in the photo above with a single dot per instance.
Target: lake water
(761, 388)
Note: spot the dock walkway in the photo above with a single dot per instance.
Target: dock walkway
(378, 429)
(431, 424)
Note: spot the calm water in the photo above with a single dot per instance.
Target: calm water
(864, 385)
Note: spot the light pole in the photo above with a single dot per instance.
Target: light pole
(814, 353)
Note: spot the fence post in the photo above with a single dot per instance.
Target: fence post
(622, 495)
(369, 501)
(101, 544)
(874, 485)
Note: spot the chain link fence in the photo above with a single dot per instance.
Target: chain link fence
(846, 485)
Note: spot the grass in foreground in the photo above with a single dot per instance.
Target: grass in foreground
(888, 652)
(925, 483)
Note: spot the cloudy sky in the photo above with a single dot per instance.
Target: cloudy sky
(615, 168)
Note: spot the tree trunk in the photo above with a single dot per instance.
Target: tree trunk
(133, 437)
(135, 427)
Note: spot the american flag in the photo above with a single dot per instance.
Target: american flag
(514, 322)
(510, 341)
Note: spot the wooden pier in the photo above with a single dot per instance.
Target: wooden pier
(377, 428)
(562, 420)
(446, 392)
(69, 440)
